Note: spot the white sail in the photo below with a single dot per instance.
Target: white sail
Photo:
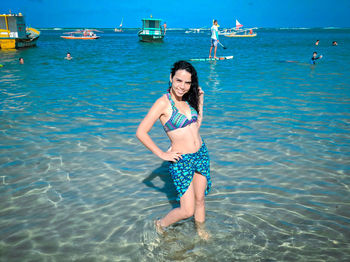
(238, 25)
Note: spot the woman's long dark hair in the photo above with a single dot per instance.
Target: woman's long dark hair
(192, 95)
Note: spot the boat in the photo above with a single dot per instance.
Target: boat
(14, 33)
(152, 30)
(120, 27)
(239, 31)
(195, 30)
(86, 34)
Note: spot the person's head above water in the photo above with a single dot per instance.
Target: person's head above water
(184, 82)
(68, 56)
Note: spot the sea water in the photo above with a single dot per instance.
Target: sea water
(76, 184)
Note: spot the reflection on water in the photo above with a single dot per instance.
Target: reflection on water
(75, 184)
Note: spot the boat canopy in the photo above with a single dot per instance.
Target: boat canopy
(12, 26)
(151, 23)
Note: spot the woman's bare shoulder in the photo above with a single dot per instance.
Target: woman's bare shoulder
(162, 101)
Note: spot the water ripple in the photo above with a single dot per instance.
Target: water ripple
(75, 182)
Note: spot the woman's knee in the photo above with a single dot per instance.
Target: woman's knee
(200, 201)
(187, 212)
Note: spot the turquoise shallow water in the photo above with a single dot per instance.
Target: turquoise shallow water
(76, 185)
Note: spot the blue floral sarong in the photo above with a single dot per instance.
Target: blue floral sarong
(182, 171)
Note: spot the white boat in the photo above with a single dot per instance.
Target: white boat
(120, 27)
(195, 30)
(86, 34)
(238, 31)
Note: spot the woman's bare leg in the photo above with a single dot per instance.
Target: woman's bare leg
(200, 184)
(186, 209)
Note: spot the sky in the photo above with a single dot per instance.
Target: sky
(181, 13)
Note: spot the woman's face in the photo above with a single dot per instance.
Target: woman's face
(181, 82)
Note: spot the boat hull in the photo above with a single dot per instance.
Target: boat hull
(80, 37)
(10, 43)
(16, 42)
(151, 38)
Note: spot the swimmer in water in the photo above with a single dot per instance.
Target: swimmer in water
(314, 58)
(68, 56)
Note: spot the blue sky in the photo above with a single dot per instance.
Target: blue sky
(182, 13)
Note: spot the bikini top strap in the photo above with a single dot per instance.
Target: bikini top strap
(173, 103)
(171, 100)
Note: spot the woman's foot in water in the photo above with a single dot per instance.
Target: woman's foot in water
(201, 231)
(160, 230)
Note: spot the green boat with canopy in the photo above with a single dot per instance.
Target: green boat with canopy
(152, 30)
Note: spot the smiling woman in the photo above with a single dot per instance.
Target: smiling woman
(181, 113)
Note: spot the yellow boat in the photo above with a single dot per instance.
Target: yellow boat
(14, 33)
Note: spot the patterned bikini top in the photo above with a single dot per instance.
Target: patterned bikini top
(178, 120)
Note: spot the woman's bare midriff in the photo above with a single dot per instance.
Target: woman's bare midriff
(185, 140)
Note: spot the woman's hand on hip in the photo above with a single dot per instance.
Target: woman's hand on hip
(171, 156)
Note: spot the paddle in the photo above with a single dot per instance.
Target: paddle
(224, 47)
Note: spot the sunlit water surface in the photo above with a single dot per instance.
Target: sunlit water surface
(76, 184)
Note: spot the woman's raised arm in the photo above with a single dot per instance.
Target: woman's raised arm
(200, 105)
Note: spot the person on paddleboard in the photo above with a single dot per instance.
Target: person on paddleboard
(214, 38)
(180, 111)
